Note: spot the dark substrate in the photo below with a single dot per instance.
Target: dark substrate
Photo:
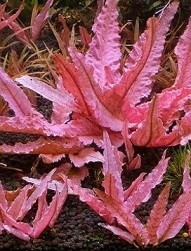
(77, 225)
(77, 229)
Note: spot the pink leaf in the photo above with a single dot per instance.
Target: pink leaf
(148, 66)
(188, 223)
(112, 168)
(124, 217)
(15, 209)
(88, 132)
(44, 146)
(182, 51)
(48, 214)
(2, 9)
(25, 228)
(135, 163)
(51, 158)
(104, 50)
(58, 114)
(60, 202)
(86, 155)
(34, 125)
(16, 232)
(171, 102)
(185, 128)
(26, 124)
(47, 91)
(40, 20)
(128, 145)
(104, 110)
(175, 218)
(15, 97)
(88, 196)
(51, 184)
(137, 58)
(119, 232)
(143, 191)
(42, 207)
(66, 170)
(36, 193)
(134, 186)
(157, 214)
(20, 32)
(163, 122)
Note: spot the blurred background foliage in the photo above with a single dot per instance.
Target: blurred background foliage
(129, 9)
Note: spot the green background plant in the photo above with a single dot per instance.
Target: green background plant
(175, 169)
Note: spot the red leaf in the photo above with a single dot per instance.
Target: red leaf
(86, 39)
(151, 132)
(105, 111)
(19, 31)
(124, 217)
(157, 214)
(10, 19)
(70, 81)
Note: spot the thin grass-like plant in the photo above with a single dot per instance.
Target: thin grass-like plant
(175, 168)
